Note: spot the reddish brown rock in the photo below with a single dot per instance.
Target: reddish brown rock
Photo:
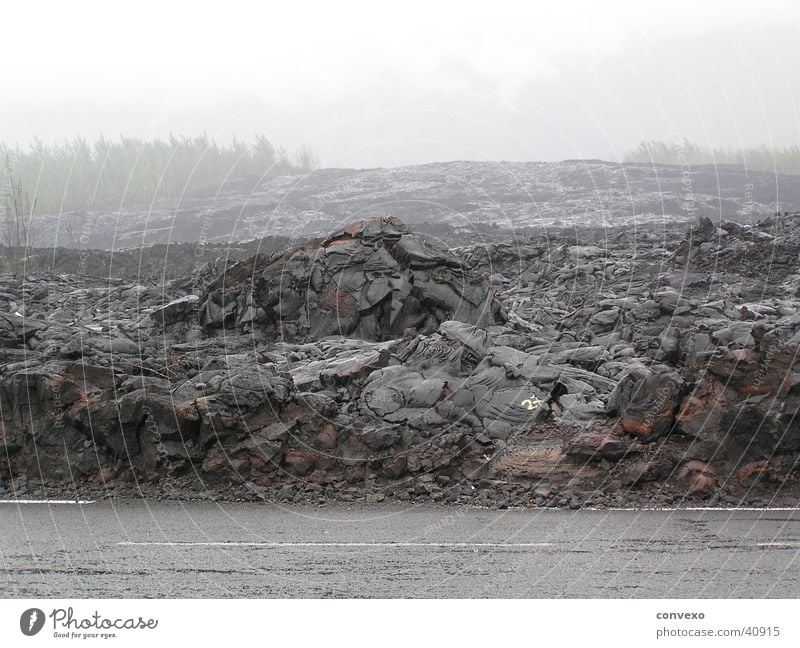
(745, 370)
(758, 471)
(327, 436)
(299, 461)
(702, 409)
(700, 477)
(646, 400)
(597, 446)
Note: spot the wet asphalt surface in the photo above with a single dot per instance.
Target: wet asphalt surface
(172, 549)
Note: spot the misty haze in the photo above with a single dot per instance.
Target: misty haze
(437, 300)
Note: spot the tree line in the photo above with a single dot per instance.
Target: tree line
(106, 174)
(780, 159)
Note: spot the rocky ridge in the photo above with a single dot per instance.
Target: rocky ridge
(593, 368)
(456, 201)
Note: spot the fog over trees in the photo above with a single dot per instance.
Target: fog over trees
(109, 174)
(779, 159)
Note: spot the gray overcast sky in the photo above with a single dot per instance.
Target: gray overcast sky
(368, 84)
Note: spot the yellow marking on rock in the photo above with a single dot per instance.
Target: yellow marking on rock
(532, 403)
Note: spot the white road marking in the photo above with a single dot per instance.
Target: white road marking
(554, 509)
(779, 545)
(675, 508)
(445, 545)
(739, 508)
(33, 501)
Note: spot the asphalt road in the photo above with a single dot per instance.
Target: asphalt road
(169, 549)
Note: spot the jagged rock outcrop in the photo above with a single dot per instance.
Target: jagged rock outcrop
(561, 371)
(372, 280)
(646, 399)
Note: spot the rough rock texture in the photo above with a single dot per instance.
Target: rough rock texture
(601, 368)
(461, 200)
(371, 280)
